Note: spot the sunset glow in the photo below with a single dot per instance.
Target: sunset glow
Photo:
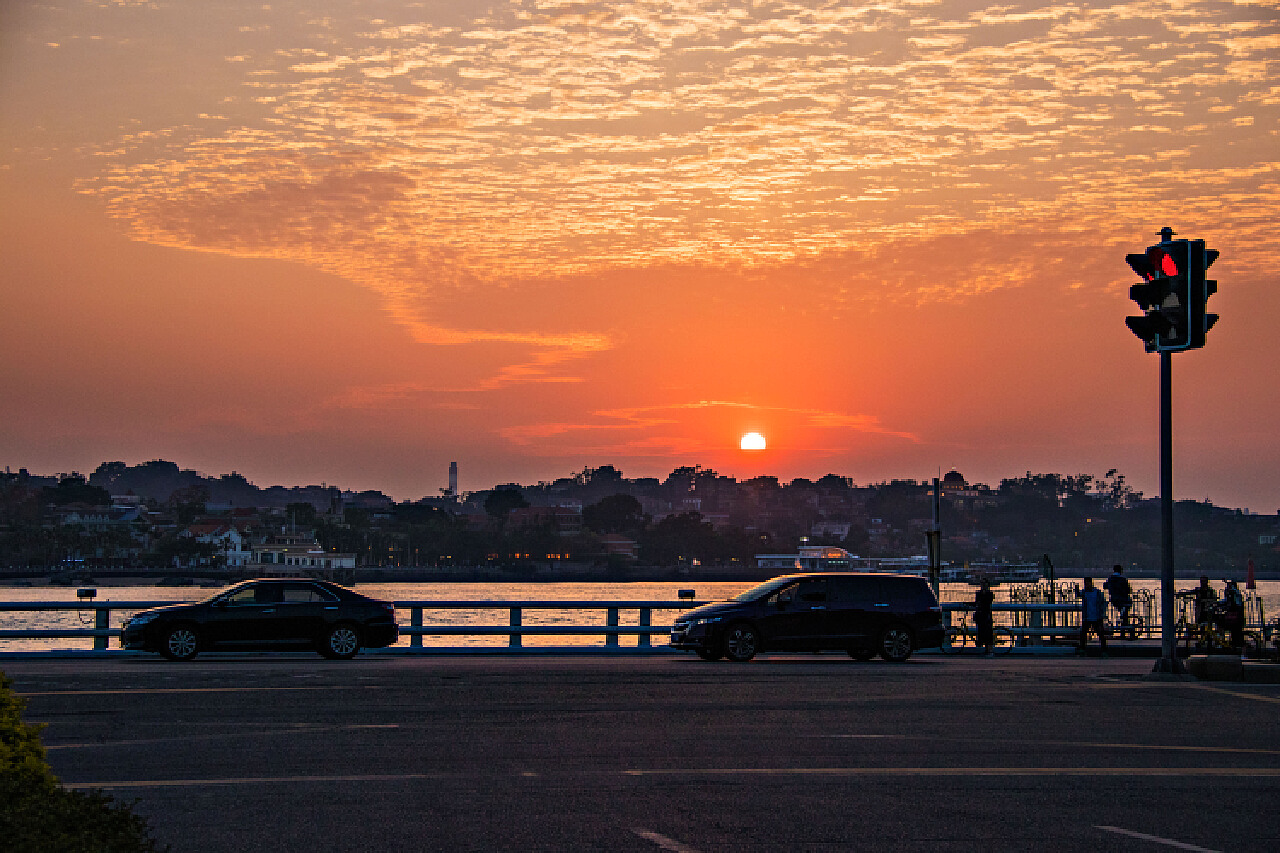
(353, 243)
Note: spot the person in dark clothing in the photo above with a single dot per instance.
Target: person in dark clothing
(1093, 613)
(983, 618)
(1206, 598)
(1233, 614)
(1121, 595)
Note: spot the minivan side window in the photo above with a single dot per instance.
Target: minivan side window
(909, 593)
(811, 591)
(784, 596)
(858, 592)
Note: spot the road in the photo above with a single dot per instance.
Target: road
(794, 753)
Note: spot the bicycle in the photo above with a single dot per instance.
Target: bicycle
(960, 636)
(1126, 630)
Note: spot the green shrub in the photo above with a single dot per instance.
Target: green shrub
(37, 815)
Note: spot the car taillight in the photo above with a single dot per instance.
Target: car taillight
(390, 608)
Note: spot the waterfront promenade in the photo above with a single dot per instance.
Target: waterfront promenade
(666, 752)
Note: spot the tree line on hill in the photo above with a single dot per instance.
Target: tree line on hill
(694, 514)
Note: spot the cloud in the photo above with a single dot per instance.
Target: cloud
(660, 429)
(431, 151)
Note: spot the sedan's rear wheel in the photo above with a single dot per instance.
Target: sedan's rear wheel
(180, 643)
(895, 644)
(341, 643)
(741, 642)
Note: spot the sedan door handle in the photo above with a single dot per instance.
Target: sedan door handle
(331, 608)
(268, 610)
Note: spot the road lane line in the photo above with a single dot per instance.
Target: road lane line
(1168, 842)
(1157, 747)
(1218, 772)
(150, 691)
(251, 780)
(1238, 694)
(662, 841)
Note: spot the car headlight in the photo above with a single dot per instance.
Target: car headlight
(708, 621)
(139, 619)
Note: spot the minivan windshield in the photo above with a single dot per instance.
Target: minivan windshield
(763, 589)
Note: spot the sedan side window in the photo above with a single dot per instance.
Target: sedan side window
(306, 594)
(243, 597)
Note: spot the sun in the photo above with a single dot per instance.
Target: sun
(753, 441)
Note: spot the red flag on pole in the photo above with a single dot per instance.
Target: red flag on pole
(1249, 582)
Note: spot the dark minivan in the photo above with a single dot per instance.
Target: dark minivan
(864, 614)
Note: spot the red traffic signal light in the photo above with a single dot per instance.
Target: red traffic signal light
(1163, 296)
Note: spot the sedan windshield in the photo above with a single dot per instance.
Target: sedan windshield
(763, 589)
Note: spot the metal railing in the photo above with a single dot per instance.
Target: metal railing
(1031, 623)
(515, 629)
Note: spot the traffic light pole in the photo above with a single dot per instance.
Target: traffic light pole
(1168, 630)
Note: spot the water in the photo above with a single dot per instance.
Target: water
(1269, 591)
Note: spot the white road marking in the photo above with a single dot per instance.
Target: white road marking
(1168, 842)
(250, 780)
(662, 841)
(1071, 743)
(1222, 772)
(165, 690)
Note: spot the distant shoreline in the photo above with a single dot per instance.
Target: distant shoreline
(180, 578)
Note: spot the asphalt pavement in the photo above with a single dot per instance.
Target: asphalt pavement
(666, 752)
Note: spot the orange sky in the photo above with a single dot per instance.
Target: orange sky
(352, 243)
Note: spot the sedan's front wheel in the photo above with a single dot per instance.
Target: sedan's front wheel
(741, 642)
(180, 643)
(341, 643)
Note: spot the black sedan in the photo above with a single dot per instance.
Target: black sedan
(285, 613)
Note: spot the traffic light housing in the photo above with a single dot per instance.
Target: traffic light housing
(1199, 322)
(1164, 296)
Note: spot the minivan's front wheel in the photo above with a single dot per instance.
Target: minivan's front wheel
(741, 642)
(895, 644)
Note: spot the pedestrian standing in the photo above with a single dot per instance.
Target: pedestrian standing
(983, 618)
(1233, 614)
(1093, 613)
(1121, 595)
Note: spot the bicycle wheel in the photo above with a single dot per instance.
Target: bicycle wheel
(954, 640)
(1004, 641)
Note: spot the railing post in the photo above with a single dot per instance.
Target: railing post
(101, 622)
(1037, 623)
(644, 623)
(415, 619)
(515, 638)
(612, 639)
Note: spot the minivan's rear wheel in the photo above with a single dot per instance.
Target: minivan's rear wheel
(895, 644)
(741, 642)
(180, 643)
(342, 642)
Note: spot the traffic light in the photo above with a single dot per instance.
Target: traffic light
(1199, 291)
(1164, 296)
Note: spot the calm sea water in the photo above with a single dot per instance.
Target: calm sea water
(1268, 592)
